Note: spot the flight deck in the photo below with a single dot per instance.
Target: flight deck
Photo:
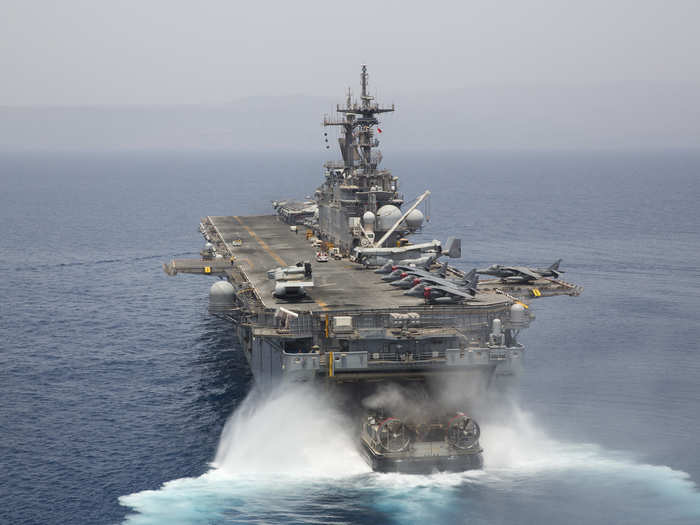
(260, 243)
(267, 243)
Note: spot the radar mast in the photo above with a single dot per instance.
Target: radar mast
(358, 142)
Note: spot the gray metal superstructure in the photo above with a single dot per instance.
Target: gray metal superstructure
(358, 201)
(344, 323)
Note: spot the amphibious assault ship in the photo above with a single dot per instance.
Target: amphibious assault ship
(330, 289)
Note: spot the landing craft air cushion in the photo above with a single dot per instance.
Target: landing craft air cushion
(345, 327)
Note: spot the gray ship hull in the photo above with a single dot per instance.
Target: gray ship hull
(353, 326)
(303, 316)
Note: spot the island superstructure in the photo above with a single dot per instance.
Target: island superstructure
(379, 309)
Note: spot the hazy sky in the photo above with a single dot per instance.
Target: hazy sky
(91, 52)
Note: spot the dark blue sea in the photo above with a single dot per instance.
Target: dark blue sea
(116, 384)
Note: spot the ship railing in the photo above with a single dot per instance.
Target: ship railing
(307, 365)
(462, 320)
(303, 325)
(306, 362)
(407, 357)
(307, 323)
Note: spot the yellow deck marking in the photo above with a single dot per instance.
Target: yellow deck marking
(272, 254)
(248, 261)
(262, 243)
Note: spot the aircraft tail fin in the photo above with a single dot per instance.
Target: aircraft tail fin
(453, 248)
(471, 279)
(470, 276)
(430, 262)
(555, 268)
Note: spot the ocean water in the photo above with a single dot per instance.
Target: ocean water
(123, 401)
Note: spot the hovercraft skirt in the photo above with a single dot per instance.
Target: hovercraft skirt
(407, 464)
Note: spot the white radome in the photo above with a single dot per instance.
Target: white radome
(415, 219)
(387, 216)
(221, 294)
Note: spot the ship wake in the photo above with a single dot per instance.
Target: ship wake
(291, 456)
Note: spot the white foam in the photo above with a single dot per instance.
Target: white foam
(280, 451)
(294, 430)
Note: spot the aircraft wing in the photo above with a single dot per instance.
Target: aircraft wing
(439, 281)
(413, 270)
(449, 290)
(525, 272)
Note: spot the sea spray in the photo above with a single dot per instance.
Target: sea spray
(289, 455)
(294, 429)
(411, 403)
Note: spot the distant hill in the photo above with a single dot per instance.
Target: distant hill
(497, 117)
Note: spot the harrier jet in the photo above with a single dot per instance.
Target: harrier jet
(435, 287)
(521, 274)
(409, 277)
(424, 262)
(445, 294)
